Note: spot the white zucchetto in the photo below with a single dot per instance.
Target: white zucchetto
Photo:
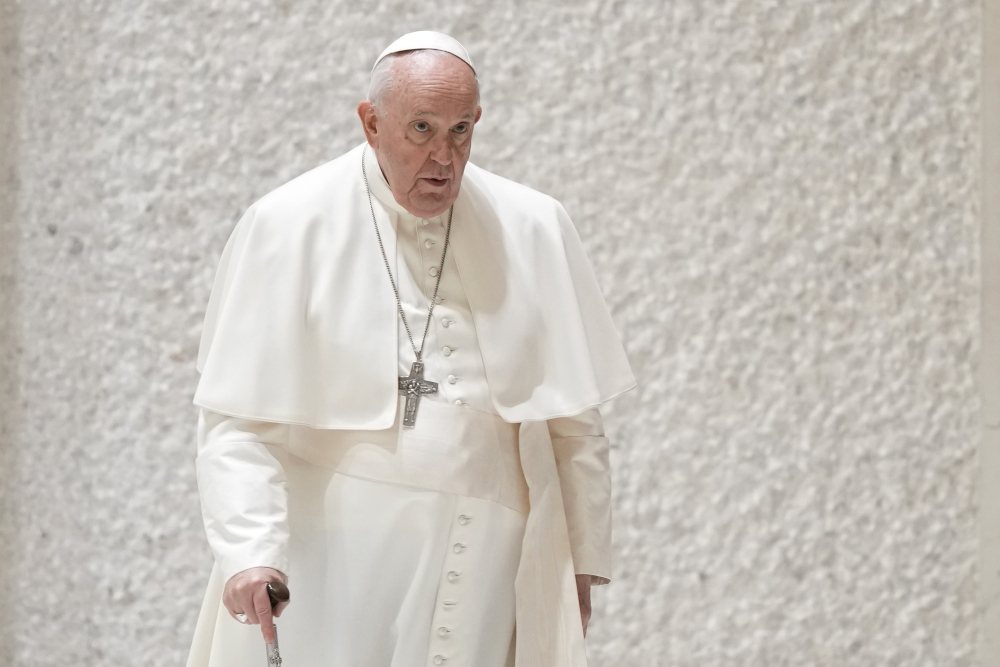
(427, 39)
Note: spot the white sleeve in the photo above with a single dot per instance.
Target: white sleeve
(244, 501)
(582, 458)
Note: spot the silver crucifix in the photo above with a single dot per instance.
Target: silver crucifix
(414, 386)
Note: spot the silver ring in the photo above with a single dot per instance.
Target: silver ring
(241, 617)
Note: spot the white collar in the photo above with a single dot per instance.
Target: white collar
(379, 186)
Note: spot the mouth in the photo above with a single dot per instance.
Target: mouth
(437, 182)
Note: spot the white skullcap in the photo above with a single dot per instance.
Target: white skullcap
(427, 39)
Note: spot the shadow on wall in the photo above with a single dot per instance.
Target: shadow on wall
(10, 20)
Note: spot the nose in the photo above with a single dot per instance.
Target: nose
(441, 151)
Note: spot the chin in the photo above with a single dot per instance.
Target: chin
(433, 205)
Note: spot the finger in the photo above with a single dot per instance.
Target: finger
(244, 603)
(230, 603)
(280, 608)
(262, 608)
(585, 612)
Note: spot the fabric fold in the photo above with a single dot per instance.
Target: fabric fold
(549, 627)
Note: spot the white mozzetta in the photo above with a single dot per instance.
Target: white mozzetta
(318, 346)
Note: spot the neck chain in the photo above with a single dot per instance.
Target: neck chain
(414, 385)
(447, 235)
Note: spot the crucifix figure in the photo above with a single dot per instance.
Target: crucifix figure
(414, 386)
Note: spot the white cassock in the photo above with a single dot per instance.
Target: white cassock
(404, 547)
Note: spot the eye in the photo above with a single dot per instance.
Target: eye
(421, 126)
(461, 127)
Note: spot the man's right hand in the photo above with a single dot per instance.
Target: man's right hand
(246, 592)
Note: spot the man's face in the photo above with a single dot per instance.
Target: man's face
(422, 133)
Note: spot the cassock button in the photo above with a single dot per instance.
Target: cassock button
(434, 271)
(428, 243)
(459, 402)
(452, 379)
(439, 659)
(446, 323)
(458, 548)
(425, 222)
(453, 576)
(446, 351)
(443, 631)
(464, 519)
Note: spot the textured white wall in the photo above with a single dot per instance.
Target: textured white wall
(8, 311)
(780, 200)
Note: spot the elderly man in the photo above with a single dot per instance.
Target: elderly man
(401, 365)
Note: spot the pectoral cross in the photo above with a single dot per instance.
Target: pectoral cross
(414, 386)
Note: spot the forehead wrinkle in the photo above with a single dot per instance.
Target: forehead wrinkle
(436, 90)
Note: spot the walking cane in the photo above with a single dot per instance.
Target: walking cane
(278, 593)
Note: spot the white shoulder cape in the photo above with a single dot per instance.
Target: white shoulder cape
(301, 324)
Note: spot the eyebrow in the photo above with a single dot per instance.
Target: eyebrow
(431, 113)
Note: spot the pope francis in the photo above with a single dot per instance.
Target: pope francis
(401, 368)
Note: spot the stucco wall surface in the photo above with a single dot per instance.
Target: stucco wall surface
(780, 201)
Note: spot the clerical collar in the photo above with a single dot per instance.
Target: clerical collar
(380, 186)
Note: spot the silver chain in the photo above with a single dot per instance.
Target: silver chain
(399, 304)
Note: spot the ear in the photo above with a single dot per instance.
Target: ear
(369, 122)
(479, 114)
